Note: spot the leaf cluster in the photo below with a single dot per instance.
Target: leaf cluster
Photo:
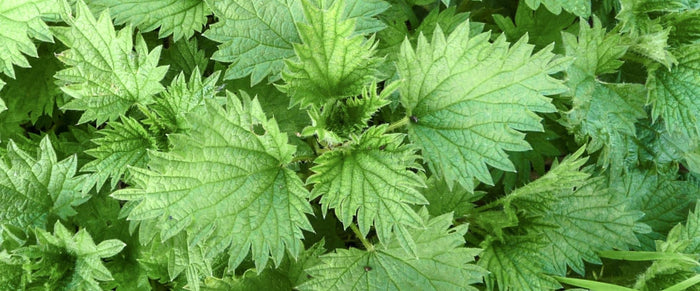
(349, 145)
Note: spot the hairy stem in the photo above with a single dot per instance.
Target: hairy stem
(303, 159)
(368, 246)
(492, 204)
(397, 124)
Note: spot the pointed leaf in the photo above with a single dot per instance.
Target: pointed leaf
(181, 18)
(442, 263)
(106, 73)
(467, 98)
(371, 179)
(224, 168)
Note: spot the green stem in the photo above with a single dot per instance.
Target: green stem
(492, 204)
(368, 246)
(408, 9)
(303, 159)
(397, 124)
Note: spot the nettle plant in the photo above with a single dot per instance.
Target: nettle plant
(349, 144)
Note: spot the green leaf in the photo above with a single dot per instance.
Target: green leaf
(21, 22)
(596, 51)
(121, 145)
(270, 279)
(106, 73)
(583, 222)
(225, 157)
(70, 261)
(672, 93)
(603, 114)
(685, 26)
(580, 8)
(10, 272)
(184, 56)
(333, 62)
(517, 264)
(170, 259)
(256, 36)
(633, 14)
(291, 273)
(336, 121)
(364, 11)
(691, 231)
(652, 44)
(36, 191)
(443, 263)
(181, 18)
(372, 179)
(33, 93)
(467, 98)
(663, 199)
(538, 195)
(566, 218)
(182, 97)
(676, 260)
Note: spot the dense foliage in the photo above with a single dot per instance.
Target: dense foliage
(349, 144)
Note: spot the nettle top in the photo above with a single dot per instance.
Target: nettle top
(349, 144)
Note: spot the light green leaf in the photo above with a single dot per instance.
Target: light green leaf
(269, 279)
(468, 97)
(652, 44)
(580, 8)
(37, 190)
(181, 98)
(174, 259)
(256, 36)
(443, 263)
(71, 261)
(633, 14)
(121, 145)
(364, 11)
(583, 222)
(21, 22)
(371, 179)
(106, 73)
(663, 199)
(236, 158)
(181, 18)
(672, 93)
(10, 271)
(516, 264)
(603, 114)
(332, 61)
(691, 231)
(291, 273)
(676, 260)
(538, 195)
(596, 51)
(335, 122)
